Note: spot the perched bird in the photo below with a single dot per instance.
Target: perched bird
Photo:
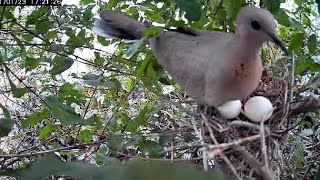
(212, 67)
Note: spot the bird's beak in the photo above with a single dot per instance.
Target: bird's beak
(278, 42)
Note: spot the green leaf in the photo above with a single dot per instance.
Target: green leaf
(85, 2)
(28, 37)
(122, 120)
(103, 41)
(141, 119)
(296, 42)
(43, 26)
(85, 135)
(98, 60)
(192, 8)
(38, 13)
(152, 148)
(91, 77)
(5, 123)
(112, 3)
(31, 63)
(133, 170)
(100, 80)
(69, 94)
(50, 165)
(299, 2)
(152, 31)
(232, 8)
(87, 15)
(154, 14)
(165, 138)
(283, 19)
(303, 64)
(36, 117)
(103, 160)
(142, 68)
(76, 40)
(47, 130)
(8, 13)
(151, 72)
(18, 92)
(273, 5)
(65, 113)
(299, 162)
(82, 38)
(3, 53)
(312, 43)
(15, 173)
(94, 121)
(115, 143)
(52, 34)
(60, 64)
(104, 82)
(133, 48)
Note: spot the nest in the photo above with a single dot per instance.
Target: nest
(244, 137)
(240, 148)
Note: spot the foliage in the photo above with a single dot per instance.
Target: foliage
(134, 170)
(117, 99)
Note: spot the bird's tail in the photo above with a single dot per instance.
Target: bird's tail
(114, 24)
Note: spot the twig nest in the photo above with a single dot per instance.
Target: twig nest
(230, 109)
(258, 108)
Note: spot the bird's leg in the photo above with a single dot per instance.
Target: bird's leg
(204, 109)
(200, 108)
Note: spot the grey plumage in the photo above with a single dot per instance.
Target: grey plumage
(212, 67)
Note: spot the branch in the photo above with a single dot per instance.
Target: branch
(310, 104)
(263, 171)
(52, 150)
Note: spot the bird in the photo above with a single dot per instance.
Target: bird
(212, 67)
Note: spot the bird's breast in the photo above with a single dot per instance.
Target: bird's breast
(244, 77)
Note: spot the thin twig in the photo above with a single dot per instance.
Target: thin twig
(117, 109)
(292, 77)
(200, 135)
(234, 143)
(232, 168)
(264, 172)
(205, 120)
(25, 85)
(219, 6)
(52, 150)
(86, 110)
(192, 113)
(224, 157)
(263, 145)
(247, 124)
(183, 146)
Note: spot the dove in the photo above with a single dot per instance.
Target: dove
(210, 66)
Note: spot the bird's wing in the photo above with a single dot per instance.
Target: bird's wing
(118, 25)
(188, 58)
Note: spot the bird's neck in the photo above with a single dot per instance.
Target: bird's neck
(247, 46)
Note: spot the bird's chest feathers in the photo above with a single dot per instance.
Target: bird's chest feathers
(245, 73)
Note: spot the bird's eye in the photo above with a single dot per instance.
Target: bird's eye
(255, 25)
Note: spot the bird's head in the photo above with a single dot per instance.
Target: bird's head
(258, 24)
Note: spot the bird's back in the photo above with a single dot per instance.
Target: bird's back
(189, 59)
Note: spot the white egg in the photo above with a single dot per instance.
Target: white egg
(258, 108)
(230, 109)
